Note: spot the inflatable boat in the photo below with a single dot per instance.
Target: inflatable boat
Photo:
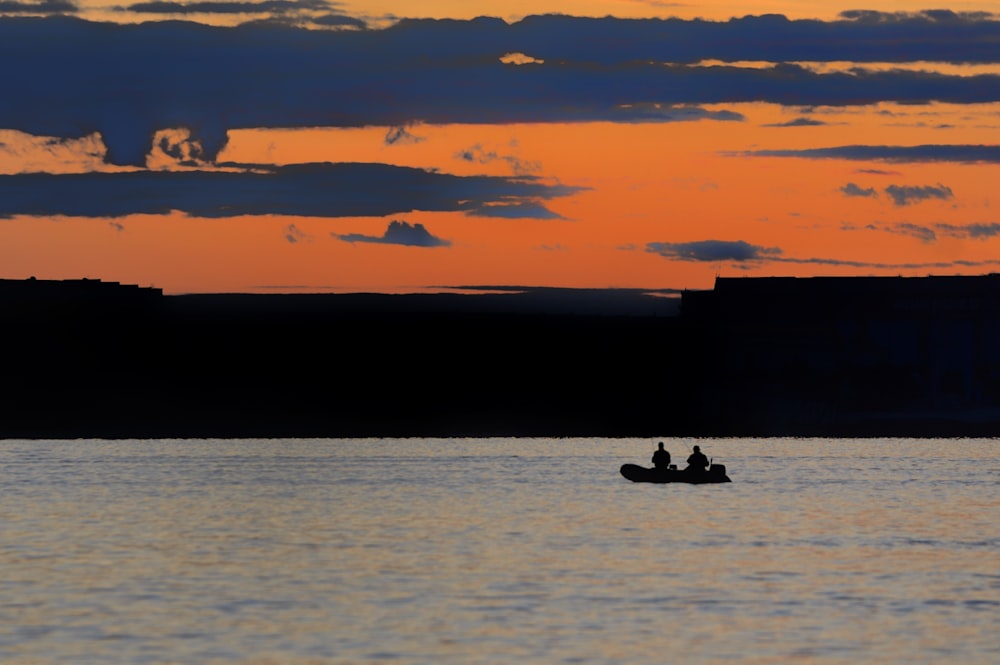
(639, 474)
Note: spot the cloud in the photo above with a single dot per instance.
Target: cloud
(338, 21)
(925, 233)
(41, 7)
(750, 256)
(399, 233)
(798, 122)
(964, 154)
(771, 38)
(904, 195)
(477, 154)
(518, 210)
(970, 231)
(174, 148)
(851, 189)
(402, 136)
(213, 7)
(922, 233)
(657, 112)
(877, 172)
(276, 12)
(713, 250)
(128, 81)
(927, 16)
(294, 234)
(312, 190)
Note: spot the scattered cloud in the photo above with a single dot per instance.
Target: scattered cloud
(657, 112)
(978, 231)
(401, 135)
(749, 256)
(798, 122)
(294, 234)
(518, 210)
(917, 231)
(174, 148)
(338, 21)
(399, 233)
(477, 154)
(931, 232)
(904, 195)
(851, 189)
(877, 172)
(713, 250)
(964, 154)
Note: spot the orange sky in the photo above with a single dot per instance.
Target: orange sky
(641, 183)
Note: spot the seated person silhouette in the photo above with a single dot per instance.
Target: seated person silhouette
(697, 461)
(661, 458)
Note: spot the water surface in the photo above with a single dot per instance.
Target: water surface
(497, 551)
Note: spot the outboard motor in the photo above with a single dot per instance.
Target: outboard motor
(717, 468)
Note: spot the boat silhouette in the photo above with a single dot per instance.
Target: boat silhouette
(716, 473)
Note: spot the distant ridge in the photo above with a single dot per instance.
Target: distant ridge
(773, 356)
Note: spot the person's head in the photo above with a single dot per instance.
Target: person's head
(661, 445)
(697, 449)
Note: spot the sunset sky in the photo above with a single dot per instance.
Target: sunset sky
(369, 145)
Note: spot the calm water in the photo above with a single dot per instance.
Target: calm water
(497, 551)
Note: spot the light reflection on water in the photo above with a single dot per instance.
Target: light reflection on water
(497, 551)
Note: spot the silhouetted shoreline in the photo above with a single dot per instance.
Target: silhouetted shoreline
(752, 357)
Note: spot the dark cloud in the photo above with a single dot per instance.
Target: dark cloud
(903, 195)
(713, 250)
(477, 154)
(315, 190)
(42, 7)
(968, 37)
(930, 233)
(279, 12)
(929, 16)
(851, 189)
(877, 172)
(749, 256)
(294, 234)
(970, 231)
(399, 233)
(519, 210)
(965, 154)
(798, 122)
(127, 81)
(922, 233)
(222, 7)
(338, 21)
(656, 112)
(401, 135)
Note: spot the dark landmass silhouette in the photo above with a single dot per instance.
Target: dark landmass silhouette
(752, 357)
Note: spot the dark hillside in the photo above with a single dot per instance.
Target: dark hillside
(358, 365)
(753, 357)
